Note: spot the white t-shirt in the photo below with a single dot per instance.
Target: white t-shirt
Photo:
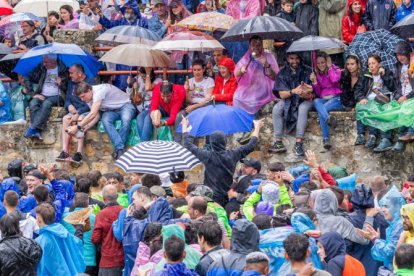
(376, 87)
(112, 97)
(198, 95)
(405, 81)
(224, 84)
(50, 86)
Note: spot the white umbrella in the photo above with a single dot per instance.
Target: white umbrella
(157, 157)
(41, 8)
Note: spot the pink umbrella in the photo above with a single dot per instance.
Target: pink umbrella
(5, 8)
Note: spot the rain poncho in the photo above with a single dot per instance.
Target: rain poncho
(133, 230)
(383, 250)
(176, 269)
(254, 89)
(5, 114)
(193, 256)
(409, 211)
(361, 200)
(338, 172)
(143, 258)
(62, 252)
(18, 102)
(326, 206)
(244, 9)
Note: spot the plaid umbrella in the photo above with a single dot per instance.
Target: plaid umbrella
(380, 42)
(208, 21)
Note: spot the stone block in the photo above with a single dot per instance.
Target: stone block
(13, 156)
(85, 39)
(56, 113)
(102, 167)
(88, 150)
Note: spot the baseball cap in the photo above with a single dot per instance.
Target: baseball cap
(36, 174)
(158, 191)
(253, 162)
(203, 191)
(155, 2)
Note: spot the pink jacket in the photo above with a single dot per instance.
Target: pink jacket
(328, 84)
(143, 258)
(252, 9)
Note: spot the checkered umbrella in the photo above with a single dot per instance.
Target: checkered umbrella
(380, 42)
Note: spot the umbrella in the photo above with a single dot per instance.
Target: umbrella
(188, 41)
(5, 50)
(229, 119)
(313, 43)
(42, 7)
(157, 157)
(116, 2)
(208, 21)
(138, 55)
(68, 53)
(404, 28)
(5, 8)
(21, 16)
(380, 42)
(8, 63)
(128, 35)
(267, 27)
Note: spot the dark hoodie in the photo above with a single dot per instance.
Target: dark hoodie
(244, 240)
(272, 9)
(361, 200)
(219, 163)
(402, 48)
(13, 41)
(307, 18)
(291, 17)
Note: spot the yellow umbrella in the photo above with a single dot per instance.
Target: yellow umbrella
(208, 21)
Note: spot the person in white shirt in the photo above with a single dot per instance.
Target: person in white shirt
(52, 77)
(199, 89)
(113, 104)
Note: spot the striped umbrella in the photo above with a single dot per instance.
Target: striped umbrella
(157, 157)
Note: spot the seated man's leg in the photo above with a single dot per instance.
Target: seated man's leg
(77, 157)
(178, 135)
(323, 115)
(66, 120)
(127, 114)
(40, 120)
(385, 144)
(303, 111)
(360, 140)
(34, 105)
(407, 136)
(372, 139)
(277, 118)
(144, 125)
(108, 120)
(399, 146)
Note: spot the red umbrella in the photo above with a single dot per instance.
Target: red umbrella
(5, 8)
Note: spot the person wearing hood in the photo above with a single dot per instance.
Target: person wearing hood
(272, 8)
(332, 250)
(243, 9)
(362, 200)
(326, 207)
(19, 255)
(226, 83)
(306, 19)
(380, 14)
(15, 171)
(406, 9)
(293, 87)
(407, 217)
(10, 41)
(403, 262)
(5, 113)
(219, 163)
(383, 250)
(62, 252)
(19, 100)
(352, 22)
(404, 85)
(244, 240)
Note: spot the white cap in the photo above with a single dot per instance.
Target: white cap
(165, 180)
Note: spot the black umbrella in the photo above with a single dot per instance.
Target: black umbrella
(404, 28)
(267, 27)
(313, 43)
(8, 63)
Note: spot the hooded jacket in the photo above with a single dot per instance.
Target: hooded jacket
(409, 211)
(287, 80)
(229, 87)
(402, 48)
(349, 94)
(326, 206)
(244, 240)
(13, 40)
(138, 20)
(208, 258)
(27, 224)
(403, 11)
(219, 163)
(380, 14)
(62, 252)
(272, 9)
(19, 256)
(361, 200)
(307, 18)
(291, 17)
(331, 13)
(337, 262)
(351, 23)
(176, 270)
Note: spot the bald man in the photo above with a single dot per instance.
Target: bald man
(377, 183)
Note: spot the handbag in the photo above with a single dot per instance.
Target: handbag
(382, 99)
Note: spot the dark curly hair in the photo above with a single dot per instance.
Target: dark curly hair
(152, 237)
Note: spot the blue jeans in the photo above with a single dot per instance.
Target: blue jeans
(126, 114)
(40, 110)
(324, 107)
(144, 124)
(373, 131)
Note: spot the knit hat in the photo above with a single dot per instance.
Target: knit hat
(271, 192)
(265, 207)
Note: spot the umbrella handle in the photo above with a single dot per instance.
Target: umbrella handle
(194, 87)
(247, 66)
(156, 133)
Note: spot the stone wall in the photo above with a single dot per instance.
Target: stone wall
(97, 154)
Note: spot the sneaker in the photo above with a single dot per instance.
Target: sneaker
(29, 133)
(114, 154)
(407, 138)
(331, 121)
(246, 137)
(36, 135)
(298, 150)
(119, 153)
(207, 147)
(326, 143)
(383, 146)
(62, 156)
(77, 158)
(278, 147)
(360, 140)
(398, 147)
(371, 141)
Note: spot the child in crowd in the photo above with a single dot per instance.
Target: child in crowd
(287, 11)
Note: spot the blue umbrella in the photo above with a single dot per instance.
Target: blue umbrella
(229, 119)
(68, 53)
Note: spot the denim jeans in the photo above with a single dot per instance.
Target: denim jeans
(403, 130)
(144, 124)
(40, 110)
(126, 113)
(324, 107)
(373, 131)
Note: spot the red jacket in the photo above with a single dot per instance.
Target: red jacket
(350, 23)
(326, 176)
(112, 251)
(173, 106)
(230, 86)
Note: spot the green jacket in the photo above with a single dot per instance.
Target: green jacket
(404, 272)
(123, 200)
(255, 197)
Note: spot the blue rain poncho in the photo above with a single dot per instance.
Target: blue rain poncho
(383, 250)
(5, 114)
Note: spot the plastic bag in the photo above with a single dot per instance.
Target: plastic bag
(338, 172)
(347, 183)
(296, 171)
(298, 181)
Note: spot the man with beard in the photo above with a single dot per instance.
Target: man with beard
(294, 88)
(407, 217)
